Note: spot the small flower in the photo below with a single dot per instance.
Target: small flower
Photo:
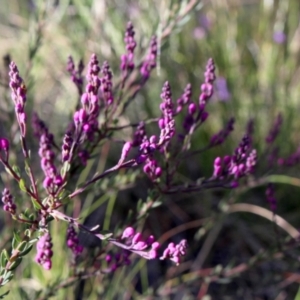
(4, 147)
(73, 241)
(175, 252)
(44, 251)
(7, 200)
(275, 129)
(127, 60)
(150, 61)
(279, 37)
(18, 94)
(222, 89)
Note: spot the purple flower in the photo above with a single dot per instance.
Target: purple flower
(4, 146)
(221, 136)
(106, 84)
(44, 251)
(167, 122)
(279, 37)
(73, 241)
(76, 74)
(52, 177)
(240, 164)
(221, 89)
(207, 87)
(275, 129)
(127, 60)
(149, 62)
(86, 118)
(7, 200)
(18, 95)
(175, 252)
(66, 147)
(135, 243)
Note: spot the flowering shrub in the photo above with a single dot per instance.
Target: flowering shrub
(159, 156)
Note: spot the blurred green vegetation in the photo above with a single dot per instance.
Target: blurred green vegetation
(262, 76)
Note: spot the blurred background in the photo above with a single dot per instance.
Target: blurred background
(256, 48)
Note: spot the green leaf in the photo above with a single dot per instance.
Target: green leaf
(3, 295)
(22, 185)
(105, 234)
(14, 244)
(27, 167)
(22, 246)
(26, 251)
(36, 205)
(16, 169)
(65, 169)
(17, 237)
(5, 253)
(3, 259)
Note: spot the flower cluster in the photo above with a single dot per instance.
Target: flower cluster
(166, 123)
(185, 99)
(241, 163)
(221, 136)
(73, 241)
(4, 147)
(53, 179)
(18, 95)
(7, 200)
(66, 146)
(39, 128)
(44, 251)
(127, 60)
(117, 260)
(86, 118)
(274, 131)
(150, 61)
(207, 88)
(106, 84)
(175, 252)
(76, 74)
(135, 243)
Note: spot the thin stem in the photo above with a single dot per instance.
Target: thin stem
(105, 173)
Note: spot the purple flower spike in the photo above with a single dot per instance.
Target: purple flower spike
(52, 178)
(127, 60)
(150, 61)
(274, 131)
(279, 37)
(7, 200)
(40, 128)
(270, 194)
(66, 147)
(207, 86)
(18, 95)
(76, 75)
(135, 243)
(222, 89)
(73, 241)
(168, 128)
(175, 252)
(4, 146)
(86, 118)
(44, 251)
(106, 84)
(221, 136)
(139, 135)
